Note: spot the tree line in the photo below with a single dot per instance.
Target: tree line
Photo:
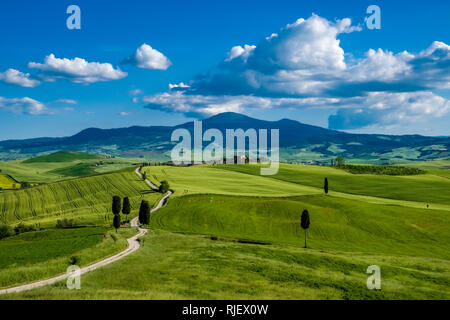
(125, 207)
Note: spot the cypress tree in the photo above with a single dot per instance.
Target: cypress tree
(116, 222)
(305, 222)
(126, 209)
(144, 210)
(116, 205)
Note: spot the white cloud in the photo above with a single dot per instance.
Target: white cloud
(238, 51)
(178, 101)
(304, 65)
(180, 85)
(382, 108)
(148, 58)
(76, 70)
(309, 44)
(124, 114)
(16, 77)
(23, 106)
(381, 65)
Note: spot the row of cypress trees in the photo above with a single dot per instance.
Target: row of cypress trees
(117, 207)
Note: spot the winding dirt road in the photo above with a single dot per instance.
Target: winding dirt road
(133, 245)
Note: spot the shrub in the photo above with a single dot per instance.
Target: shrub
(66, 224)
(22, 228)
(5, 231)
(164, 187)
(383, 170)
(74, 260)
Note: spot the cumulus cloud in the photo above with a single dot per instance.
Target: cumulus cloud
(13, 76)
(242, 52)
(202, 105)
(381, 108)
(148, 58)
(23, 106)
(77, 70)
(304, 65)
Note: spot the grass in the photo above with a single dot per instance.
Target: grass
(7, 182)
(179, 266)
(426, 188)
(336, 224)
(204, 179)
(87, 200)
(38, 255)
(57, 167)
(229, 233)
(63, 156)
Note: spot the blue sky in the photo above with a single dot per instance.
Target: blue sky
(322, 70)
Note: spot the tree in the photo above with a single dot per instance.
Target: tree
(147, 216)
(144, 176)
(116, 205)
(325, 185)
(116, 222)
(25, 185)
(340, 161)
(305, 222)
(126, 209)
(144, 210)
(164, 187)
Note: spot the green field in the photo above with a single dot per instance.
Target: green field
(87, 200)
(229, 233)
(38, 255)
(6, 182)
(179, 266)
(205, 179)
(427, 188)
(338, 224)
(62, 156)
(62, 166)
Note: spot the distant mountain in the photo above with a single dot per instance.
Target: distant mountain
(298, 142)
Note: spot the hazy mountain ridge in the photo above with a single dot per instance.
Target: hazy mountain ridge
(298, 142)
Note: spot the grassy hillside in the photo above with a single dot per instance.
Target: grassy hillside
(178, 266)
(204, 179)
(72, 167)
(63, 156)
(88, 200)
(229, 233)
(7, 182)
(426, 188)
(336, 224)
(38, 255)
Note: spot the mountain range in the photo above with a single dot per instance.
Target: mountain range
(299, 142)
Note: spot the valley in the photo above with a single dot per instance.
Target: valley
(229, 233)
